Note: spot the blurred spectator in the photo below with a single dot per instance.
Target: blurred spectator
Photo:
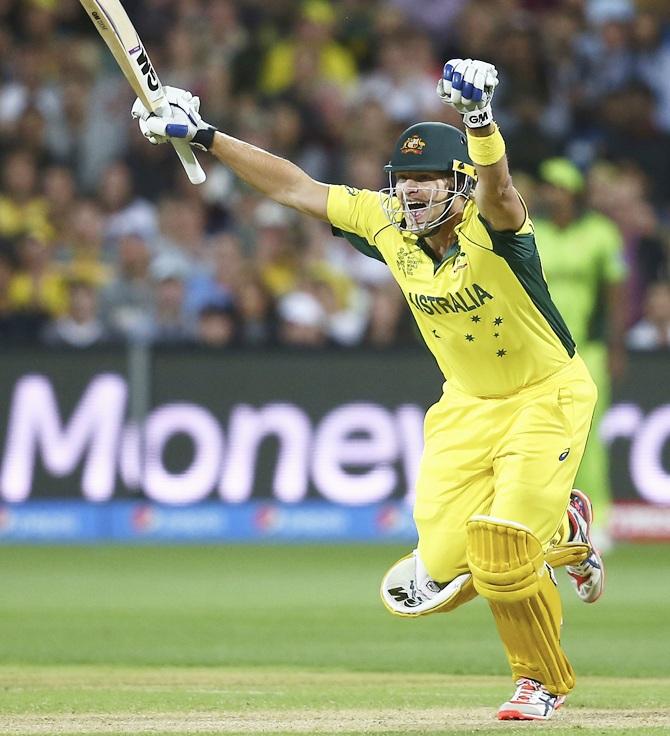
(32, 128)
(582, 257)
(345, 320)
(27, 86)
(302, 320)
(216, 282)
(37, 285)
(230, 43)
(80, 326)
(15, 325)
(652, 47)
(631, 135)
(358, 29)
(82, 249)
(560, 35)
(217, 326)
(652, 332)
(476, 30)
(60, 192)
(181, 60)
(127, 301)
(310, 55)
(621, 194)
(405, 91)
(182, 233)
(526, 142)
(22, 209)
(169, 321)
(256, 308)
(387, 312)
(437, 18)
(523, 67)
(277, 254)
(346, 304)
(607, 53)
(124, 212)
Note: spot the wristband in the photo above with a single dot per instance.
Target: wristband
(204, 138)
(478, 118)
(488, 150)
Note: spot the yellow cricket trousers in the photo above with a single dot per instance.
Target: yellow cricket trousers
(514, 458)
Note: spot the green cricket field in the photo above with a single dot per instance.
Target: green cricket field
(293, 639)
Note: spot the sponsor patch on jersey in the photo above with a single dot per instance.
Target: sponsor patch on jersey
(564, 454)
(414, 144)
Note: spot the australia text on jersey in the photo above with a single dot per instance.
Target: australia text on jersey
(464, 300)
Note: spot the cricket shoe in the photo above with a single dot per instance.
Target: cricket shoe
(588, 576)
(531, 702)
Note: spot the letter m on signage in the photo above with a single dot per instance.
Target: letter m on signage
(91, 436)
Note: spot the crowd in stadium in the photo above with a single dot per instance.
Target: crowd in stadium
(102, 237)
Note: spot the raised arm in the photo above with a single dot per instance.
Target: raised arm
(276, 177)
(469, 86)
(271, 175)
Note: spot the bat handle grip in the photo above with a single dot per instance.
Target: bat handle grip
(188, 160)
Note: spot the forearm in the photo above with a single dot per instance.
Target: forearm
(495, 194)
(275, 177)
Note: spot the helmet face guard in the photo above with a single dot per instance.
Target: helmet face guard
(426, 148)
(433, 206)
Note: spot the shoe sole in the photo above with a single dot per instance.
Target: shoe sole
(517, 715)
(589, 508)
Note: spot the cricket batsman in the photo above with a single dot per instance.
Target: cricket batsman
(495, 507)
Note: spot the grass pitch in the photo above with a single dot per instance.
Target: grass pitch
(251, 640)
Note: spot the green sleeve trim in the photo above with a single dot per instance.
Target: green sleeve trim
(361, 244)
(508, 243)
(521, 254)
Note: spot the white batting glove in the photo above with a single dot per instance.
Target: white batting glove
(185, 122)
(468, 85)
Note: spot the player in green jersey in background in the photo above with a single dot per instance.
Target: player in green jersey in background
(582, 257)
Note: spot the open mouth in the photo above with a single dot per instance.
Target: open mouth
(417, 210)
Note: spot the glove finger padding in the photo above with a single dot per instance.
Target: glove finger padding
(457, 81)
(470, 93)
(138, 110)
(441, 91)
(153, 129)
(479, 84)
(160, 127)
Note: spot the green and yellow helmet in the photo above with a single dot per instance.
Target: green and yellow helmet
(428, 147)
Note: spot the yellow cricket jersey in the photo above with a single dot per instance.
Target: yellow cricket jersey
(484, 310)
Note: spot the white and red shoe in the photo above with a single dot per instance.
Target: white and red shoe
(588, 577)
(531, 702)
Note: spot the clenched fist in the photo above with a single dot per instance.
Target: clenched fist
(468, 85)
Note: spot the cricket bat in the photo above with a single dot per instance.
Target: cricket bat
(117, 31)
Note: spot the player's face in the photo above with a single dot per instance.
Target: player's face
(423, 195)
(421, 201)
(427, 198)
